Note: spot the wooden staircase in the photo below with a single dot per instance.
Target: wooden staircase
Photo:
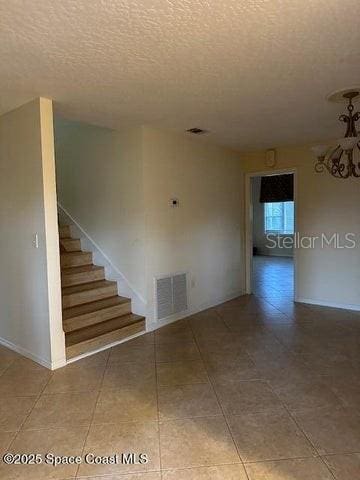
(94, 315)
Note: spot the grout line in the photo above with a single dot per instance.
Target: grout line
(302, 430)
(157, 407)
(32, 409)
(216, 395)
(93, 414)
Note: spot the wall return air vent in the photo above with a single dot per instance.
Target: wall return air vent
(170, 295)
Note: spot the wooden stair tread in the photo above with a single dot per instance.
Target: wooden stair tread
(99, 329)
(84, 287)
(80, 269)
(90, 307)
(94, 316)
(74, 254)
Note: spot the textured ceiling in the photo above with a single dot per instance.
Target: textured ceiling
(253, 72)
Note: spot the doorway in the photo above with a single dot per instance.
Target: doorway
(270, 237)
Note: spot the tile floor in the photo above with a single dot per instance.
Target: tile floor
(258, 388)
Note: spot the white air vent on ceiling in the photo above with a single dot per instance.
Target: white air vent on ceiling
(170, 295)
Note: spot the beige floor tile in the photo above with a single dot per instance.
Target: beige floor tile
(239, 398)
(344, 467)
(196, 442)
(63, 441)
(96, 360)
(230, 367)
(13, 412)
(137, 403)
(119, 375)
(75, 379)
(300, 469)
(7, 357)
(307, 395)
(221, 472)
(5, 440)
(268, 436)
(146, 339)
(127, 353)
(331, 430)
(62, 410)
(173, 333)
(25, 364)
(131, 476)
(175, 352)
(181, 373)
(23, 379)
(183, 401)
(327, 364)
(204, 318)
(123, 438)
(7, 354)
(347, 388)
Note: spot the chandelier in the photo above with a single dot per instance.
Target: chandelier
(343, 161)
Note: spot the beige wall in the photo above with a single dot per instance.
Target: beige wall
(203, 236)
(118, 185)
(324, 204)
(30, 295)
(99, 178)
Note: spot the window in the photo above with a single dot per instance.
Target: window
(279, 217)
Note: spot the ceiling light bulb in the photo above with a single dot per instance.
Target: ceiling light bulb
(320, 150)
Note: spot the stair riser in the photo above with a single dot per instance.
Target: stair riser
(104, 340)
(83, 277)
(71, 245)
(88, 296)
(64, 231)
(96, 317)
(75, 261)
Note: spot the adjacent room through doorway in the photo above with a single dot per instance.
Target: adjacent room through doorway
(273, 215)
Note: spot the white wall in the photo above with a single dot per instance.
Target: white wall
(203, 236)
(99, 178)
(30, 295)
(117, 185)
(324, 205)
(260, 240)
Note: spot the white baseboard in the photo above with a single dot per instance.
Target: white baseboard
(26, 353)
(154, 325)
(138, 303)
(344, 306)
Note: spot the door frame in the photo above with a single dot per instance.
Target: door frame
(249, 223)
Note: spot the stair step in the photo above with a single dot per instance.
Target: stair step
(83, 274)
(70, 244)
(88, 314)
(75, 259)
(64, 231)
(102, 334)
(88, 292)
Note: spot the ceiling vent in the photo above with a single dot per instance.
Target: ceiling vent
(197, 131)
(170, 295)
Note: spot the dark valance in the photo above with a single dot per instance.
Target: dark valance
(277, 188)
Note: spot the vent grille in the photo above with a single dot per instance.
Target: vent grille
(171, 295)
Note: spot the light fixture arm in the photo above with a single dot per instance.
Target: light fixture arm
(340, 161)
(351, 118)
